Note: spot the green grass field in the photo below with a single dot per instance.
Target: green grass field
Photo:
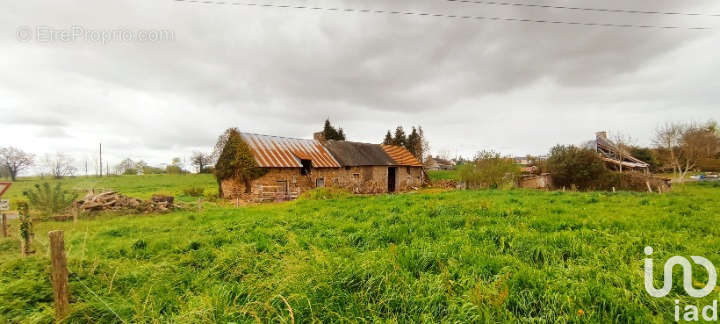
(444, 175)
(134, 186)
(457, 256)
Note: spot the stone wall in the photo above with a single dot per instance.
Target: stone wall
(288, 183)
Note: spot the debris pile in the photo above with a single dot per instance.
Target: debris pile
(111, 200)
(444, 184)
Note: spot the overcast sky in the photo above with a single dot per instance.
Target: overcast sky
(515, 87)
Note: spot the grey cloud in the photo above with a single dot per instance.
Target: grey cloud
(283, 71)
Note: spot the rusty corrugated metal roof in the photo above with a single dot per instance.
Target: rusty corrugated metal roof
(283, 152)
(401, 156)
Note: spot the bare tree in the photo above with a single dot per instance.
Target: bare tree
(667, 139)
(201, 160)
(15, 161)
(424, 149)
(60, 165)
(175, 167)
(444, 154)
(684, 144)
(126, 166)
(623, 144)
(697, 142)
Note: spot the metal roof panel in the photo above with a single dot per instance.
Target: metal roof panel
(283, 152)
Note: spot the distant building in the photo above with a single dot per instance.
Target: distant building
(536, 181)
(296, 165)
(522, 160)
(437, 163)
(616, 157)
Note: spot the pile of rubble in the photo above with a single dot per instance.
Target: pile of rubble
(111, 200)
(444, 184)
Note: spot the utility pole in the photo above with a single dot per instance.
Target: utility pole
(101, 160)
(86, 171)
(107, 168)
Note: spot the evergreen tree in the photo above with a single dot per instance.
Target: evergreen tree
(388, 138)
(413, 143)
(341, 135)
(330, 133)
(400, 139)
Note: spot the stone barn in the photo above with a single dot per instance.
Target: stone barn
(296, 165)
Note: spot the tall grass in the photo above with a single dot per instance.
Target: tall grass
(461, 256)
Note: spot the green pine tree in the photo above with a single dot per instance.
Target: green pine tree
(412, 143)
(388, 138)
(400, 139)
(331, 133)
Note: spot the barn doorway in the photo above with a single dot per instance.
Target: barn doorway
(392, 175)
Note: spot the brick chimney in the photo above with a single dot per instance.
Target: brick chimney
(602, 134)
(319, 136)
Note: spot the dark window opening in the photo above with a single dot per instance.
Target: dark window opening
(320, 182)
(347, 168)
(306, 166)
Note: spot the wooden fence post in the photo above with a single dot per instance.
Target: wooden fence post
(61, 290)
(4, 225)
(75, 212)
(25, 229)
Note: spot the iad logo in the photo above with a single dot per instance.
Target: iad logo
(687, 276)
(690, 313)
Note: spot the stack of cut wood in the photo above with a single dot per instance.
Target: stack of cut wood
(111, 200)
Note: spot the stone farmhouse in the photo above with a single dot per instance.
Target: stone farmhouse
(296, 165)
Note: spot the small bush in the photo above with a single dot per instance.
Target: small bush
(49, 200)
(194, 191)
(489, 170)
(324, 194)
(211, 196)
(581, 167)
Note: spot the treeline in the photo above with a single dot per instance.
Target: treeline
(14, 161)
(414, 142)
(678, 148)
(130, 167)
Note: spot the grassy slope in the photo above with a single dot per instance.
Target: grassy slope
(453, 256)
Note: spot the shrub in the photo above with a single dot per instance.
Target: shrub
(211, 196)
(194, 191)
(50, 199)
(648, 156)
(581, 167)
(489, 170)
(236, 160)
(26, 230)
(324, 194)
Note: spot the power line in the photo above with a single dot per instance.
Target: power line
(463, 17)
(604, 10)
